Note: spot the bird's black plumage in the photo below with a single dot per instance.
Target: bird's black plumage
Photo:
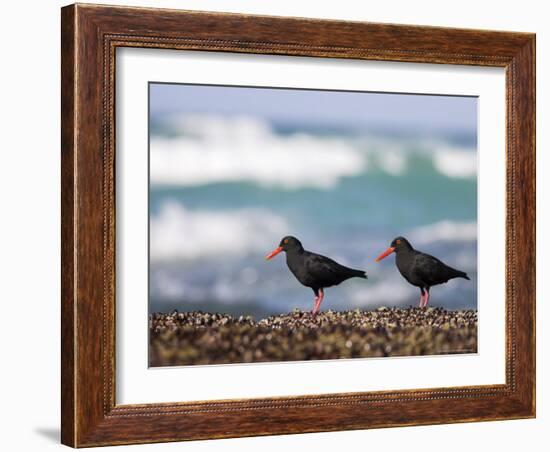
(317, 271)
(314, 270)
(420, 269)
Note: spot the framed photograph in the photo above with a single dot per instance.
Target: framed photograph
(234, 170)
(282, 225)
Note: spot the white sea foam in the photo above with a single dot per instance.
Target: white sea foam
(455, 163)
(445, 231)
(393, 162)
(217, 149)
(390, 292)
(179, 233)
(243, 149)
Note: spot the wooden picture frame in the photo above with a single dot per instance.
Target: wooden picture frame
(90, 36)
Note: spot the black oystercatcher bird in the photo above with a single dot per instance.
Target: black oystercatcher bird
(420, 269)
(313, 270)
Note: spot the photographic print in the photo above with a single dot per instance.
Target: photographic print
(298, 224)
(277, 225)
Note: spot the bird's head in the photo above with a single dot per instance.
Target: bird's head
(398, 244)
(287, 243)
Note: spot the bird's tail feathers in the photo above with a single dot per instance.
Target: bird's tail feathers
(460, 274)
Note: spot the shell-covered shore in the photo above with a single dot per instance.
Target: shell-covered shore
(185, 338)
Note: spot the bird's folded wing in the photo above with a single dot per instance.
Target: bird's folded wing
(430, 269)
(325, 271)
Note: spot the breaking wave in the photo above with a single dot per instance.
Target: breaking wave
(242, 149)
(445, 231)
(179, 233)
(204, 149)
(455, 163)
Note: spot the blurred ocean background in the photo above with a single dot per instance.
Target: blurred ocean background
(233, 170)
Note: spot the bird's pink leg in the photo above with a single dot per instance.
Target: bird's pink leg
(318, 302)
(321, 297)
(315, 300)
(426, 298)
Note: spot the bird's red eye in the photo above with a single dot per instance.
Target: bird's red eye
(286, 240)
(398, 242)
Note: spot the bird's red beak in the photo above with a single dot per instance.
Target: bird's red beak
(386, 253)
(274, 253)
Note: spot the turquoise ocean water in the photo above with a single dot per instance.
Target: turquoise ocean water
(225, 189)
